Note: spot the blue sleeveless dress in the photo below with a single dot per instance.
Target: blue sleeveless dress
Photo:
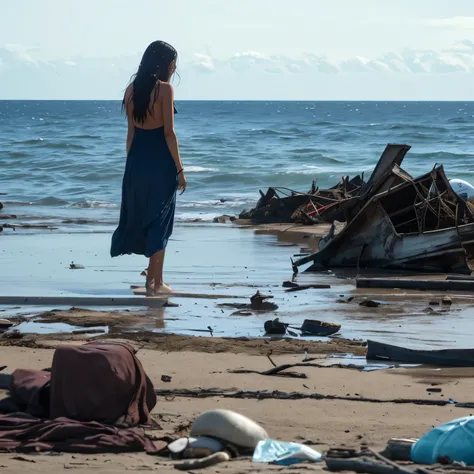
(148, 196)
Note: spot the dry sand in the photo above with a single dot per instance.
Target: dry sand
(203, 363)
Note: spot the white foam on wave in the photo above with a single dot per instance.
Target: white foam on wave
(314, 170)
(95, 204)
(198, 169)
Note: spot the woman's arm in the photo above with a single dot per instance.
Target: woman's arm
(168, 120)
(130, 132)
(129, 111)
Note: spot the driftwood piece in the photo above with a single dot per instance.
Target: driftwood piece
(307, 287)
(275, 371)
(367, 465)
(278, 395)
(422, 285)
(28, 226)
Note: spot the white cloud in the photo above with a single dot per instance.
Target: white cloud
(203, 62)
(457, 22)
(457, 58)
(23, 75)
(18, 52)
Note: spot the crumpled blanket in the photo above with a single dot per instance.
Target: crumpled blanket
(24, 433)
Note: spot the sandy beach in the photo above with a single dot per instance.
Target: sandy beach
(193, 364)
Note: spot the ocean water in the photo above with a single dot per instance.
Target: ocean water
(61, 162)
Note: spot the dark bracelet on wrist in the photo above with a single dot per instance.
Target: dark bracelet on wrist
(180, 171)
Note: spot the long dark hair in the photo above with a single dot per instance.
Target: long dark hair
(155, 66)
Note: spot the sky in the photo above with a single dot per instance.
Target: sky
(242, 49)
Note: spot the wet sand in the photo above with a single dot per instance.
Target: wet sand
(321, 423)
(218, 259)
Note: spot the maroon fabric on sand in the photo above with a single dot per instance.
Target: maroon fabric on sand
(91, 387)
(100, 382)
(24, 433)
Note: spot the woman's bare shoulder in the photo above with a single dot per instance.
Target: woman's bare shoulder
(128, 92)
(166, 89)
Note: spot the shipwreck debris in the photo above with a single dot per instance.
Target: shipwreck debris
(283, 205)
(307, 287)
(259, 302)
(399, 222)
(312, 327)
(444, 357)
(421, 285)
(275, 327)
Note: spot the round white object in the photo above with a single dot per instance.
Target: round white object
(229, 426)
(462, 188)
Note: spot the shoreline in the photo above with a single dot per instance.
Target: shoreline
(232, 261)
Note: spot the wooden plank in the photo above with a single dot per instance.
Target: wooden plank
(434, 285)
(82, 301)
(141, 291)
(440, 357)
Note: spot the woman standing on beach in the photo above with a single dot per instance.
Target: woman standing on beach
(154, 170)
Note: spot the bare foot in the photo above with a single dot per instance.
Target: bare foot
(149, 288)
(164, 289)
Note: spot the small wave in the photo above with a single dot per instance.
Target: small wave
(34, 141)
(262, 131)
(41, 142)
(305, 151)
(410, 127)
(95, 204)
(17, 154)
(64, 146)
(318, 170)
(47, 201)
(50, 201)
(85, 137)
(459, 120)
(208, 139)
(213, 203)
(442, 155)
(323, 123)
(199, 169)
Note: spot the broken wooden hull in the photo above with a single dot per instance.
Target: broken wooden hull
(419, 225)
(444, 357)
(372, 242)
